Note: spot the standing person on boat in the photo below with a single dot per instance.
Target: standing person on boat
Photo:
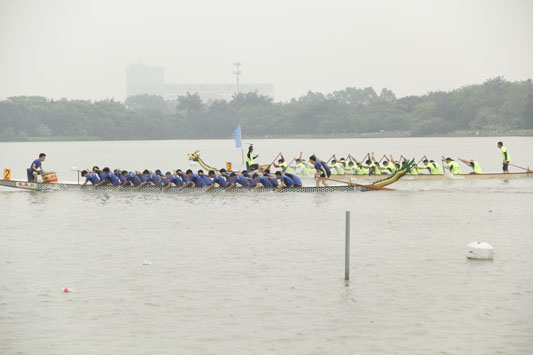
(282, 164)
(130, 178)
(250, 165)
(35, 168)
(506, 157)
(322, 170)
(90, 177)
(453, 166)
(216, 180)
(473, 164)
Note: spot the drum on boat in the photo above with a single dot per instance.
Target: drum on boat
(49, 178)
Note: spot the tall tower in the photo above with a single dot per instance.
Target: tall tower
(237, 73)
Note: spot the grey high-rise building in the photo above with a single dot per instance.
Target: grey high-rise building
(145, 79)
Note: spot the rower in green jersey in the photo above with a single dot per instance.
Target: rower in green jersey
(476, 169)
(282, 164)
(336, 166)
(432, 167)
(453, 166)
(374, 166)
(506, 157)
(303, 167)
(350, 168)
(389, 165)
(360, 169)
(413, 170)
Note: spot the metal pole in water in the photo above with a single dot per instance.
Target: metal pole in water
(347, 249)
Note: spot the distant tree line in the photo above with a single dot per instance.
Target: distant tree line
(496, 104)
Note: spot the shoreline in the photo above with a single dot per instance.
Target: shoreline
(398, 134)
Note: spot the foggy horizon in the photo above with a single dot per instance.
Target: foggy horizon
(78, 50)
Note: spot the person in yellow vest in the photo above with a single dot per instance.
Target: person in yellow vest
(282, 164)
(473, 164)
(432, 167)
(359, 168)
(506, 157)
(453, 166)
(337, 166)
(414, 167)
(250, 165)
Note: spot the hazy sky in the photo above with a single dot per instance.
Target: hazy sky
(80, 49)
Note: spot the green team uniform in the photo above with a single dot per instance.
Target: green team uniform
(455, 169)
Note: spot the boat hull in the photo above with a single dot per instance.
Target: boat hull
(439, 176)
(38, 186)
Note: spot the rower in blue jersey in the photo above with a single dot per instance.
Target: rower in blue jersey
(295, 179)
(100, 173)
(235, 179)
(173, 179)
(90, 177)
(216, 180)
(118, 174)
(207, 180)
(150, 178)
(284, 181)
(193, 178)
(260, 180)
(270, 178)
(130, 178)
(35, 168)
(322, 170)
(108, 178)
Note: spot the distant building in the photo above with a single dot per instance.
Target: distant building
(144, 79)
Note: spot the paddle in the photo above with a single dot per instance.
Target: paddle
(274, 159)
(330, 159)
(526, 169)
(370, 187)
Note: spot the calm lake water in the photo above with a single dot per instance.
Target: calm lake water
(263, 274)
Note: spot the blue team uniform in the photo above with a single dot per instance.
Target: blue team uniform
(133, 179)
(37, 163)
(92, 178)
(112, 179)
(154, 179)
(239, 179)
(273, 182)
(121, 178)
(102, 176)
(318, 168)
(287, 181)
(207, 180)
(263, 180)
(219, 180)
(197, 180)
(295, 179)
(176, 180)
(251, 183)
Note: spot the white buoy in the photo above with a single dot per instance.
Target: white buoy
(146, 262)
(479, 250)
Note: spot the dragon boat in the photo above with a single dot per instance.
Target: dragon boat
(195, 157)
(349, 187)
